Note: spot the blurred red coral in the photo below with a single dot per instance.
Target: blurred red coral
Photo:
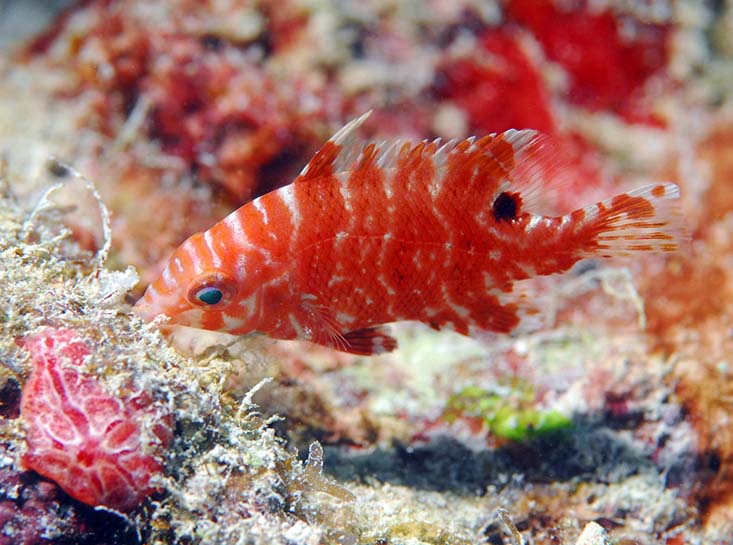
(93, 445)
(608, 57)
(205, 99)
(222, 114)
(498, 87)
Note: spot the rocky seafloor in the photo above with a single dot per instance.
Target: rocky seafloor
(125, 126)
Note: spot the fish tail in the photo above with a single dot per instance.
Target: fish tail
(647, 219)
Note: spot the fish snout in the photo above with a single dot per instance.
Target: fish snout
(144, 310)
(149, 308)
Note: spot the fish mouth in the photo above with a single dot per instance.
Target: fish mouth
(144, 311)
(148, 313)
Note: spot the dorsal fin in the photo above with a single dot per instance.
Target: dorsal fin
(520, 157)
(336, 154)
(542, 171)
(528, 160)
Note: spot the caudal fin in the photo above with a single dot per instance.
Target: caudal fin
(646, 219)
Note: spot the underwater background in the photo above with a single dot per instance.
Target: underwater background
(128, 125)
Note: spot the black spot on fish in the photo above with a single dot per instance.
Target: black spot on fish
(506, 206)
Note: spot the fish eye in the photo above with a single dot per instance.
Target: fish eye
(506, 206)
(211, 290)
(209, 295)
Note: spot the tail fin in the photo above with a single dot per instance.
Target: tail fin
(646, 219)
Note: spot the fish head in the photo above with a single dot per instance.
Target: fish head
(192, 291)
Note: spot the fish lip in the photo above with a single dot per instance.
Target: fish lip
(144, 311)
(150, 313)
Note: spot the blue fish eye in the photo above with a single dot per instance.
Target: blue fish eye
(209, 295)
(211, 289)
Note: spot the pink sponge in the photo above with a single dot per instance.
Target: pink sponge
(89, 442)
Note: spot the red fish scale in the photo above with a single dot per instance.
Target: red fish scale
(391, 251)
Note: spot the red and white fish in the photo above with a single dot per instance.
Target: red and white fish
(377, 233)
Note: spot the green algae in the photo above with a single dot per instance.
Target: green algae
(508, 416)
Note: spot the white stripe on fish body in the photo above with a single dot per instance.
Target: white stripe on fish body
(209, 242)
(534, 222)
(167, 277)
(196, 262)
(234, 223)
(257, 203)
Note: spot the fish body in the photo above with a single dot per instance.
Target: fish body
(372, 234)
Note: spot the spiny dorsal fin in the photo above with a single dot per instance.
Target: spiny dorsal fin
(337, 153)
(526, 158)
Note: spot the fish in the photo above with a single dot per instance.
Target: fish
(371, 233)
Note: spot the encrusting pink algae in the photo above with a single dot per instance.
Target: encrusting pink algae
(97, 448)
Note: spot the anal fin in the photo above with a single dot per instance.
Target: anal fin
(368, 341)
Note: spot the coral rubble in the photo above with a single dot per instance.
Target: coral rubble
(223, 463)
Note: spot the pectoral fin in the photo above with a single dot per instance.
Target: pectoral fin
(321, 327)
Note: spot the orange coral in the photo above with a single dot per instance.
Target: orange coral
(689, 308)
